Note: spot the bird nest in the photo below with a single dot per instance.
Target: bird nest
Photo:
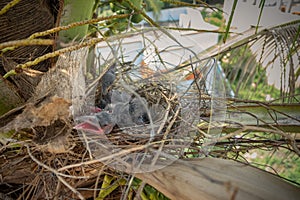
(162, 106)
(141, 124)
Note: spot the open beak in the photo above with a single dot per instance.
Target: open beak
(90, 127)
(91, 124)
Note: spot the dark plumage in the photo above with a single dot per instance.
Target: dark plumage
(126, 112)
(138, 111)
(117, 107)
(103, 91)
(104, 118)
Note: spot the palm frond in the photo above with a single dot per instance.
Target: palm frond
(272, 48)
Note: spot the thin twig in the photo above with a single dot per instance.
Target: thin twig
(8, 6)
(58, 175)
(112, 156)
(26, 42)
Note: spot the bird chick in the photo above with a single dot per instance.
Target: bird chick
(138, 111)
(103, 91)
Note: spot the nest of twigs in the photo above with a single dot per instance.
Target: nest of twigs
(63, 164)
(164, 102)
(70, 161)
(32, 171)
(156, 138)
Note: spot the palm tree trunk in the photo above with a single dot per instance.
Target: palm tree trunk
(216, 179)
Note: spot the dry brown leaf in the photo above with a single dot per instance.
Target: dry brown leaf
(56, 108)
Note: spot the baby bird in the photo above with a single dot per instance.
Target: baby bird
(103, 91)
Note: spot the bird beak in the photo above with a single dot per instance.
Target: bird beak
(95, 109)
(90, 127)
(91, 124)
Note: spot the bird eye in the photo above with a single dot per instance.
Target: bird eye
(145, 118)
